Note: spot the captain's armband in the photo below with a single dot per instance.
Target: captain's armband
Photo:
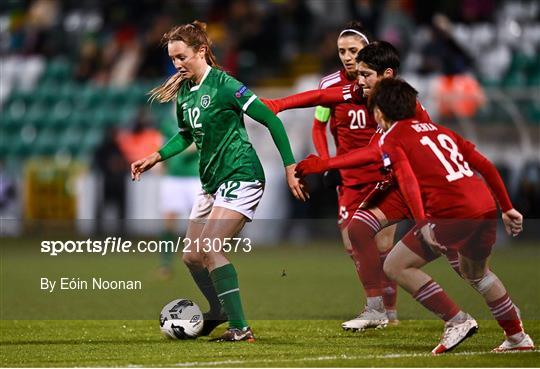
(322, 114)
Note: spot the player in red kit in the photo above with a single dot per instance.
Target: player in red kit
(454, 210)
(351, 127)
(385, 205)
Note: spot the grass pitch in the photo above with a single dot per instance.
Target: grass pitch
(307, 343)
(296, 317)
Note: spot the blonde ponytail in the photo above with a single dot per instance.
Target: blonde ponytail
(168, 90)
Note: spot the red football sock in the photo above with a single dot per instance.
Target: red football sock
(453, 259)
(362, 230)
(507, 315)
(432, 296)
(389, 286)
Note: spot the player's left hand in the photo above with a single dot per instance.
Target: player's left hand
(296, 185)
(428, 236)
(270, 104)
(513, 222)
(311, 165)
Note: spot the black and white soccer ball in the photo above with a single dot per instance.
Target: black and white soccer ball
(181, 319)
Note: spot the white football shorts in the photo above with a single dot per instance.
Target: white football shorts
(243, 197)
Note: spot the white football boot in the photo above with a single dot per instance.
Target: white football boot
(369, 318)
(455, 333)
(525, 344)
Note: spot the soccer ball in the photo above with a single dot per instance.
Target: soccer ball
(181, 319)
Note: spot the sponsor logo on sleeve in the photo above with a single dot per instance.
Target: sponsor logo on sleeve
(386, 160)
(241, 91)
(386, 168)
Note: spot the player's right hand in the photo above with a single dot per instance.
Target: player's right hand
(271, 104)
(311, 165)
(428, 236)
(142, 165)
(357, 93)
(513, 222)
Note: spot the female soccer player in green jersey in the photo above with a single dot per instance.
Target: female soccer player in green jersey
(210, 106)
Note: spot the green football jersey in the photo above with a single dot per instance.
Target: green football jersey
(212, 113)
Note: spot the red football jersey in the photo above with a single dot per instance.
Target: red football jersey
(350, 124)
(366, 162)
(438, 158)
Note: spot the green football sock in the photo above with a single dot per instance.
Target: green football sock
(226, 285)
(204, 282)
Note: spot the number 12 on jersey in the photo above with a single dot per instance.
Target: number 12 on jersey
(462, 167)
(194, 117)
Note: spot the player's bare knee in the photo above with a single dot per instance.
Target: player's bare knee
(193, 259)
(391, 267)
(385, 238)
(484, 283)
(472, 272)
(390, 271)
(397, 263)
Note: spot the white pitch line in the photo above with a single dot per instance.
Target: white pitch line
(345, 357)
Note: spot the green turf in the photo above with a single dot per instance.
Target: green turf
(295, 317)
(279, 343)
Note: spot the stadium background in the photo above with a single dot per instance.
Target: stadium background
(72, 92)
(75, 74)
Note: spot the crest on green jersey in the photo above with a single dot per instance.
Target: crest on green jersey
(205, 101)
